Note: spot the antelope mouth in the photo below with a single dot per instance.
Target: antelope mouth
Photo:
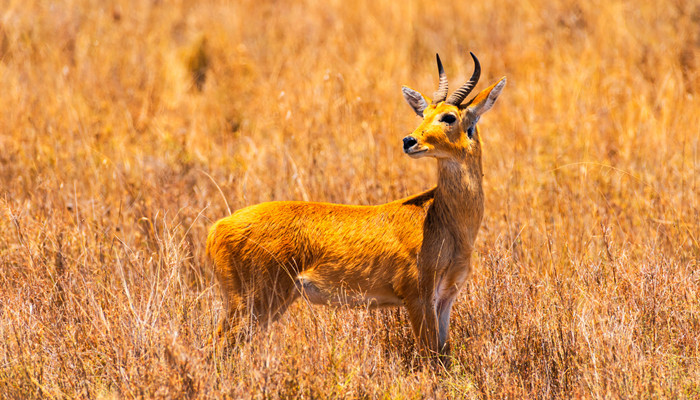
(413, 152)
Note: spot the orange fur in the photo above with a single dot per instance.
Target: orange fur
(413, 252)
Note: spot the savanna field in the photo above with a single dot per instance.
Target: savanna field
(128, 127)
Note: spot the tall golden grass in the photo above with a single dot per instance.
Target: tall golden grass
(127, 127)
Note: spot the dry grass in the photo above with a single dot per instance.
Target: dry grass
(119, 119)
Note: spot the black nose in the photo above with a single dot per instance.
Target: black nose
(409, 142)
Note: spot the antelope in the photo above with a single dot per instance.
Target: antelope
(414, 252)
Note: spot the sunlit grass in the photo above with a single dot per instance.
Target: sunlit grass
(123, 123)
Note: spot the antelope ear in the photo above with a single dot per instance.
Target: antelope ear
(417, 101)
(484, 100)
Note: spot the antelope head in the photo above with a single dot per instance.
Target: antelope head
(448, 130)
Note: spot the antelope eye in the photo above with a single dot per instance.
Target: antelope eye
(448, 118)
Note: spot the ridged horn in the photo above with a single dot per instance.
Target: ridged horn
(441, 93)
(460, 94)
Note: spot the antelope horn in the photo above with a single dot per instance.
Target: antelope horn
(441, 93)
(460, 94)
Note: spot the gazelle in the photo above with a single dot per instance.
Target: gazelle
(413, 252)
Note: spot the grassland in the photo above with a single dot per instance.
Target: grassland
(125, 124)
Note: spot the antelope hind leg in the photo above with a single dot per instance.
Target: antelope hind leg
(264, 302)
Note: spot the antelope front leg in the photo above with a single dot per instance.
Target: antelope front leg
(443, 312)
(424, 323)
(422, 312)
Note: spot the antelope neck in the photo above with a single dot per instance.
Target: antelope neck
(459, 198)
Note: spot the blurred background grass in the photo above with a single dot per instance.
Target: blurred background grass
(119, 119)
